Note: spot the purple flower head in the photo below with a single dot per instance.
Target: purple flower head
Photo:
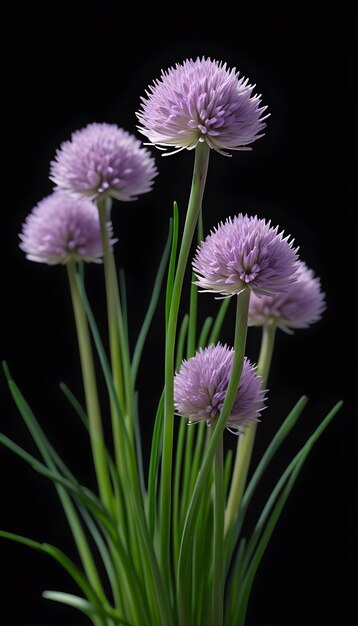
(103, 159)
(245, 252)
(201, 384)
(61, 228)
(300, 306)
(202, 100)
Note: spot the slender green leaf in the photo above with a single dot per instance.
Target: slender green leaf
(274, 445)
(179, 451)
(101, 351)
(291, 475)
(52, 459)
(172, 262)
(195, 461)
(29, 418)
(202, 556)
(152, 305)
(228, 468)
(154, 464)
(82, 414)
(75, 404)
(123, 299)
(84, 495)
(30, 543)
(47, 451)
(219, 320)
(112, 574)
(83, 605)
(185, 490)
(178, 468)
(234, 584)
(134, 494)
(181, 341)
(193, 315)
(132, 582)
(61, 558)
(160, 588)
(128, 457)
(105, 555)
(11, 445)
(138, 445)
(205, 332)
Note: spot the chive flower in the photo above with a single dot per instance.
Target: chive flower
(61, 228)
(245, 252)
(299, 307)
(103, 159)
(201, 384)
(201, 100)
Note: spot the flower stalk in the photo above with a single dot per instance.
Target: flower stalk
(113, 302)
(242, 307)
(246, 442)
(266, 352)
(120, 362)
(196, 195)
(90, 389)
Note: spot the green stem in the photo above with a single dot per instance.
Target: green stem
(214, 335)
(90, 389)
(193, 307)
(218, 556)
(266, 352)
(246, 442)
(113, 302)
(197, 189)
(120, 362)
(82, 544)
(193, 311)
(239, 351)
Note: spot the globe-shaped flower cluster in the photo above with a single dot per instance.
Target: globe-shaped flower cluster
(201, 384)
(61, 228)
(103, 159)
(245, 252)
(300, 306)
(202, 101)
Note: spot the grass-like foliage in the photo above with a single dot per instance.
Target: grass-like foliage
(163, 544)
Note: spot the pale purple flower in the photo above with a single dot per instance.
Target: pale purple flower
(103, 159)
(61, 228)
(245, 252)
(201, 384)
(202, 100)
(302, 305)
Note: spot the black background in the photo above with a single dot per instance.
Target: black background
(64, 65)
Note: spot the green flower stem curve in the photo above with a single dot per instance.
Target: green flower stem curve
(112, 296)
(202, 152)
(246, 442)
(90, 389)
(242, 308)
(120, 361)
